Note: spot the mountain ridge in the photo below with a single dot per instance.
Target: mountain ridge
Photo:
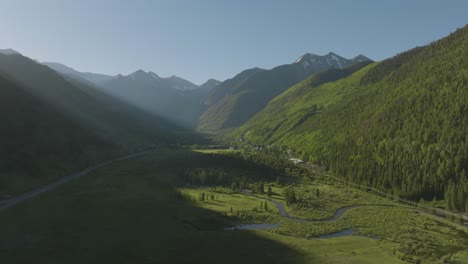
(235, 101)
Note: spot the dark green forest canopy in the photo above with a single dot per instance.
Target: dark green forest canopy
(400, 125)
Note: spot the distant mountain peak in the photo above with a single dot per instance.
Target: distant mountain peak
(9, 52)
(139, 74)
(314, 63)
(179, 83)
(174, 77)
(306, 56)
(360, 58)
(212, 81)
(209, 84)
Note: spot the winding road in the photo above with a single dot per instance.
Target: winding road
(5, 204)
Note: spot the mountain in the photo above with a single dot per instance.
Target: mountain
(180, 84)
(208, 85)
(38, 142)
(235, 101)
(82, 102)
(8, 51)
(400, 125)
(173, 98)
(94, 78)
(316, 63)
(289, 110)
(63, 124)
(173, 82)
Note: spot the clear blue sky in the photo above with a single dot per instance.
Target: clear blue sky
(201, 39)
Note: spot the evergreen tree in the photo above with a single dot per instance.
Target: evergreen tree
(290, 196)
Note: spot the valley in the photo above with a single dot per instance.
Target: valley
(147, 195)
(281, 143)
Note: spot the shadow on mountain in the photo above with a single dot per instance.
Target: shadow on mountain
(52, 126)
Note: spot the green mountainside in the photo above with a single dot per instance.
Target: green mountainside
(293, 107)
(399, 125)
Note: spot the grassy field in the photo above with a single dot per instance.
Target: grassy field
(139, 211)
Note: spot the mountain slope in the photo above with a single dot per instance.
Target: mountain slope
(8, 51)
(53, 125)
(290, 109)
(38, 143)
(173, 98)
(209, 85)
(94, 78)
(400, 125)
(235, 101)
(110, 118)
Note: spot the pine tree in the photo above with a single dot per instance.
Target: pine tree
(270, 191)
(448, 199)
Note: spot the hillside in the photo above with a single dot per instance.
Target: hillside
(235, 101)
(109, 117)
(173, 98)
(38, 143)
(399, 125)
(52, 126)
(293, 107)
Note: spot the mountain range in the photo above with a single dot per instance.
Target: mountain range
(399, 125)
(173, 98)
(235, 101)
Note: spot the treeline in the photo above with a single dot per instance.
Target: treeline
(271, 163)
(205, 176)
